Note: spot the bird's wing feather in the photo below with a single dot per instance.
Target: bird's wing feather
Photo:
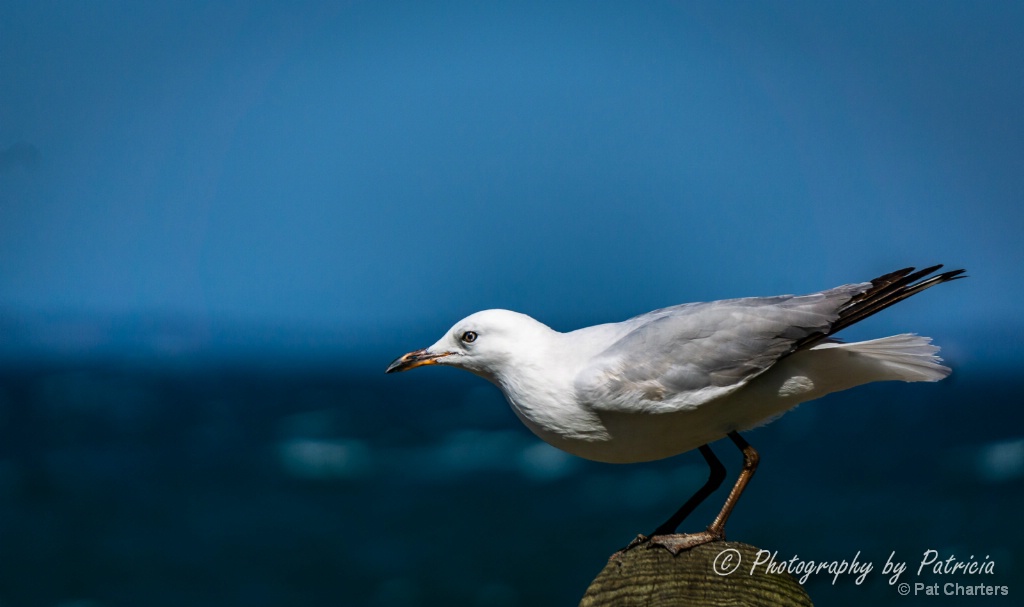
(684, 356)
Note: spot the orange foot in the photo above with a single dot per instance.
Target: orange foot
(677, 542)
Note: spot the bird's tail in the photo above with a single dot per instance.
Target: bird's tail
(904, 357)
(883, 292)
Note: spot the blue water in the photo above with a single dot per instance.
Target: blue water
(254, 485)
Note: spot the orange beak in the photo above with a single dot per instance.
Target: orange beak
(413, 360)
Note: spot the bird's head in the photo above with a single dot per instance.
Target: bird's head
(484, 343)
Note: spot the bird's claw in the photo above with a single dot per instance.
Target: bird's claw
(639, 539)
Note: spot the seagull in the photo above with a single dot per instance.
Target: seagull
(679, 378)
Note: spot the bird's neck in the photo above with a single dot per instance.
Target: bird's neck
(540, 389)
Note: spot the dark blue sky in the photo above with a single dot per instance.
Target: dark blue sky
(379, 170)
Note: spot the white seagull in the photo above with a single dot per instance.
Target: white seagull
(679, 378)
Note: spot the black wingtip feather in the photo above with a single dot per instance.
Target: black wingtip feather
(885, 291)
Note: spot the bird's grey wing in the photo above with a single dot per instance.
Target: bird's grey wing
(684, 356)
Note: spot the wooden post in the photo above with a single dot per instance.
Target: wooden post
(716, 573)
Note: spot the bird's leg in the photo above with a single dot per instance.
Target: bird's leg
(716, 530)
(750, 461)
(715, 478)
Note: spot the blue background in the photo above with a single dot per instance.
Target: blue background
(220, 221)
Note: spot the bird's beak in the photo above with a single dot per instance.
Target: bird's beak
(414, 359)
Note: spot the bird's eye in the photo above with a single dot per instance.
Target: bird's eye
(469, 337)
